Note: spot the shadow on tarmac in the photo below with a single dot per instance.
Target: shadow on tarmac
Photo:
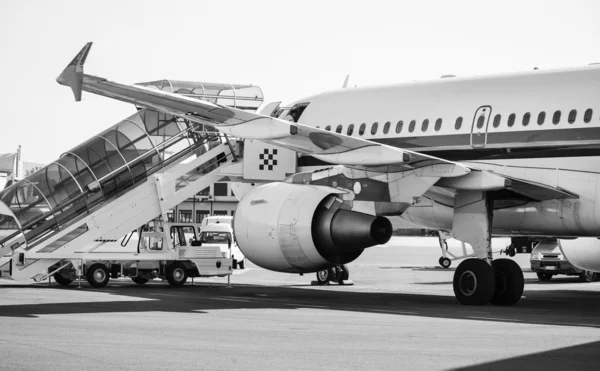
(578, 357)
(566, 308)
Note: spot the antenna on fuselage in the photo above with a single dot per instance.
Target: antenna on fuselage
(346, 82)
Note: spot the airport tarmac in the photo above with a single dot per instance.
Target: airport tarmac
(399, 314)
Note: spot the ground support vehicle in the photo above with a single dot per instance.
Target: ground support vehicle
(547, 260)
(165, 250)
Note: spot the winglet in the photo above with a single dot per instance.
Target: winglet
(72, 75)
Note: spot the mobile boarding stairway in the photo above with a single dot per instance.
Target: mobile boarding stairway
(126, 176)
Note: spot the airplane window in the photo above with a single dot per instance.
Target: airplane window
(374, 128)
(497, 119)
(587, 116)
(526, 118)
(399, 126)
(425, 125)
(541, 118)
(458, 123)
(362, 128)
(480, 121)
(338, 129)
(556, 117)
(572, 116)
(438, 124)
(511, 120)
(350, 130)
(386, 127)
(328, 128)
(411, 126)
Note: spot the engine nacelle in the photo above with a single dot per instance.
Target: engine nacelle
(583, 252)
(303, 228)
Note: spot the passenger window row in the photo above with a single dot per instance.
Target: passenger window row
(541, 118)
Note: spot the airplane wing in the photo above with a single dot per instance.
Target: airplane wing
(327, 146)
(331, 147)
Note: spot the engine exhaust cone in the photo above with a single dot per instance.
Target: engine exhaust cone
(351, 230)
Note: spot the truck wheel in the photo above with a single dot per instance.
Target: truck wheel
(98, 275)
(241, 264)
(544, 276)
(587, 276)
(176, 274)
(61, 280)
(139, 280)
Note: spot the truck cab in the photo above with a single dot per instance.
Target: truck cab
(221, 235)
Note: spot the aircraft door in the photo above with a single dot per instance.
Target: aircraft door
(480, 125)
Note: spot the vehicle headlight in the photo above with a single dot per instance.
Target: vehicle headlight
(536, 256)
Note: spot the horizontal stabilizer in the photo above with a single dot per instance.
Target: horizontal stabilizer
(72, 75)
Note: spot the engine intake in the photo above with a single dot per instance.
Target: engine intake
(303, 228)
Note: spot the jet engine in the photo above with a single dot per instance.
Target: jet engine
(583, 252)
(298, 228)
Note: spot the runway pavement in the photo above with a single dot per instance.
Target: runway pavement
(400, 314)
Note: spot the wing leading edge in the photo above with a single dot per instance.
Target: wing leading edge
(325, 145)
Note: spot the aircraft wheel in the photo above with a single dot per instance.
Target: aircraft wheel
(234, 264)
(474, 282)
(139, 280)
(544, 276)
(98, 275)
(509, 282)
(324, 276)
(241, 264)
(445, 262)
(343, 274)
(587, 276)
(176, 274)
(61, 280)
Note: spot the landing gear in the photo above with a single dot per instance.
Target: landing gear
(324, 276)
(176, 274)
(339, 274)
(445, 262)
(482, 280)
(98, 275)
(587, 276)
(474, 282)
(544, 276)
(509, 282)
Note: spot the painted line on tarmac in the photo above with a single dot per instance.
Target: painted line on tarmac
(232, 299)
(408, 313)
(494, 319)
(306, 305)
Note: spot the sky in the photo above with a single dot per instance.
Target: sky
(290, 49)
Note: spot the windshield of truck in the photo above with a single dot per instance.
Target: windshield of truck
(215, 237)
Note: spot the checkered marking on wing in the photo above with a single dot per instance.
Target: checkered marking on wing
(268, 159)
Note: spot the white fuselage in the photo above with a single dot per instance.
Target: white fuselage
(553, 138)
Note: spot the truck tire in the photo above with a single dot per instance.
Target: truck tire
(139, 280)
(61, 280)
(587, 276)
(176, 274)
(98, 275)
(543, 276)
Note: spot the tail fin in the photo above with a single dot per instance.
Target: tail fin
(72, 75)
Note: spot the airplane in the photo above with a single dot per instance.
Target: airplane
(506, 155)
